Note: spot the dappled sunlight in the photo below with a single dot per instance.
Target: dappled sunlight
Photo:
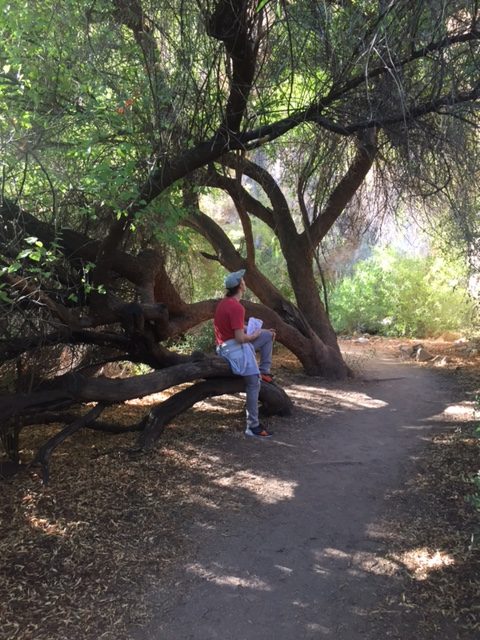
(217, 404)
(319, 569)
(318, 628)
(218, 475)
(328, 400)
(368, 562)
(267, 489)
(337, 554)
(225, 404)
(422, 561)
(46, 526)
(460, 411)
(152, 399)
(357, 564)
(463, 411)
(222, 579)
(42, 524)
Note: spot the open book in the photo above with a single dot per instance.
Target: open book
(253, 325)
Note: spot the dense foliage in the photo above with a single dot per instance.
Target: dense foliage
(394, 294)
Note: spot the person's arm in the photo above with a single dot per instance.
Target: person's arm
(241, 336)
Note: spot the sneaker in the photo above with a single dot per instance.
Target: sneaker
(266, 377)
(258, 432)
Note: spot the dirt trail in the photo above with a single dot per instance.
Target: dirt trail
(295, 548)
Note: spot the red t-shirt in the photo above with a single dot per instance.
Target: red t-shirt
(229, 315)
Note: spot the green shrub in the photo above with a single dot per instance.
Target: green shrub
(393, 294)
(201, 338)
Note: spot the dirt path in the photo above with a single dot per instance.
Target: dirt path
(287, 535)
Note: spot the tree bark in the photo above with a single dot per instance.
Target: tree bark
(73, 388)
(43, 456)
(298, 249)
(312, 340)
(274, 402)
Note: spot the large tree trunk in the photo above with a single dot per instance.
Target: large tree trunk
(306, 290)
(326, 351)
(322, 356)
(310, 337)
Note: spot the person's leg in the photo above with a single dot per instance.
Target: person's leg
(264, 345)
(254, 428)
(252, 388)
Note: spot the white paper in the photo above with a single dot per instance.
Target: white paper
(253, 325)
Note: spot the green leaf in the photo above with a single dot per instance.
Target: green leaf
(262, 4)
(4, 297)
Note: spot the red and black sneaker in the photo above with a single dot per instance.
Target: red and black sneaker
(258, 432)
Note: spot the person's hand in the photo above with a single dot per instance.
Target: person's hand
(274, 333)
(253, 336)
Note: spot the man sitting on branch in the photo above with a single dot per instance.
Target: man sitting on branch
(237, 343)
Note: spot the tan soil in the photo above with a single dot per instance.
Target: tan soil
(352, 523)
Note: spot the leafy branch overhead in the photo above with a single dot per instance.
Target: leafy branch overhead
(122, 121)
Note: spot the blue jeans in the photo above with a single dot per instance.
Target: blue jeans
(263, 344)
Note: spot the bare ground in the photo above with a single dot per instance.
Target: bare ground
(351, 523)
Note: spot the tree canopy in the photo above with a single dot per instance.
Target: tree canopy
(116, 116)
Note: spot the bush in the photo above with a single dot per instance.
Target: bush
(393, 294)
(201, 338)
